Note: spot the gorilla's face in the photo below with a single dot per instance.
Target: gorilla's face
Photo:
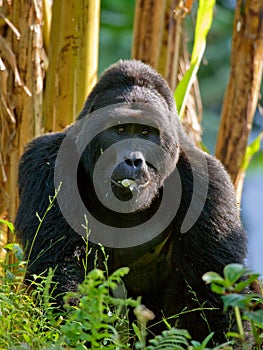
(133, 176)
(128, 159)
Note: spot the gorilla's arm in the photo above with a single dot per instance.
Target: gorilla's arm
(215, 240)
(56, 245)
(36, 184)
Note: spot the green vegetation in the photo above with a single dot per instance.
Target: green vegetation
(29, 318)
(245, 305)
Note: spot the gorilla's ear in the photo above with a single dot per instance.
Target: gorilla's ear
(122, 80)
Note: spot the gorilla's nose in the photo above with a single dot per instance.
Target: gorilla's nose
(134, 162)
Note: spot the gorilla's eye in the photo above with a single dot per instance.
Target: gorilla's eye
(145, 132)
(120, 129)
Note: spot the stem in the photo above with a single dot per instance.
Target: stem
(86, 240)
(143, 334)
(255, 334)
(239, 323)
(51, 202)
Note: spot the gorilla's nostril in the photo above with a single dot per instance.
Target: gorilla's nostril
(136, 163)
(129, 162)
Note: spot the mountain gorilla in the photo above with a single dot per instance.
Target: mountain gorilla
(157, 203)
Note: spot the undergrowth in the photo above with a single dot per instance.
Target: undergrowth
(29, 318)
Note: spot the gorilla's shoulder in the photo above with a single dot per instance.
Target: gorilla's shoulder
(221, 194)
(36, 182)
(218, 175)
(43, 148)
(38, 160)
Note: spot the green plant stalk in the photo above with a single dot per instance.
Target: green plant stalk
(256, 335)
(51, 201)
(105, 262)
(201, 306)
(143, 334)
(106, 257)
(86, 240)
(239, 323)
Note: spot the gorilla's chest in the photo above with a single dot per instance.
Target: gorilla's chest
(149, 265)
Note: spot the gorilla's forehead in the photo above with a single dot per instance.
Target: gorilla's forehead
(127, 113)
(92, 125)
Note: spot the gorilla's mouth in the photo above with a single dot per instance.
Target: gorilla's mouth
(124, 189)
(130, 184)
(126, 183)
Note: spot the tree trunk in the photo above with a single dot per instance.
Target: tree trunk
(21, 94)
(24, 54)
(242, 92)
(159, 41)
(148, 30)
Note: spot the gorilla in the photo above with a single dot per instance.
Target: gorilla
(130, 179)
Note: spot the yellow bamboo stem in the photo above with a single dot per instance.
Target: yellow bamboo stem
(47, 15)
(73, 60)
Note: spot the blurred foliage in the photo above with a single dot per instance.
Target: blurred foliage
(116, 31)
(213, 74)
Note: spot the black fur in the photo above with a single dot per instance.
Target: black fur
(163, 269)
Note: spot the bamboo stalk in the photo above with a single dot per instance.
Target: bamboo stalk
(73, 60)
(47, 16)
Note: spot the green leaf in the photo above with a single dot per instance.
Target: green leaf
(16, 249)
(241, 285)
(203, 24)
(233, 272)
(251, 150)
(255, 316)
(204, 147)
(207, 339)
(8, 224)
(121, 272)
(218, 289)
(183, 88)
(172, 339)
(137, 331)
(236, 300)
(212, 277)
